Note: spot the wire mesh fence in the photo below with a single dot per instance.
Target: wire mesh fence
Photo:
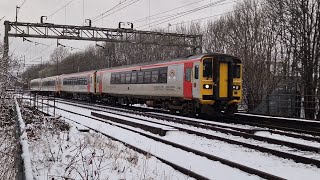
(284, 105)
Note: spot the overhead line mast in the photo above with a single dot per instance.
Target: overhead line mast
(120, 35)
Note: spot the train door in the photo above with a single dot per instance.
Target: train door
(196, 80)
(92, 87)
(57, 85)
(222, 72)
(100, 82)
(223, 85)
(187, 83)
(89, 80)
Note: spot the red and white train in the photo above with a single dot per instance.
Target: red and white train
(203, 83)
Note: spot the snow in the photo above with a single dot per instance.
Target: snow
(211, 169)
(286, 138)
(24, 144)
(198, 164)
(71, 154)
(273, 117)
(208, 122)
(211, 132)
(260, 131)
(138, 121)
(248, 157)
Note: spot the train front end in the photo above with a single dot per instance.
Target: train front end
(220, 83)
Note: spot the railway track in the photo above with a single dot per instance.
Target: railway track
(175, 145)
(278, 153)
(274, 124)
(244, 132)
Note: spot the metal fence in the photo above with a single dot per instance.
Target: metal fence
(284, 105)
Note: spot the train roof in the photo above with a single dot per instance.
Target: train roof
(197, 56)
(38, 79)
(78, 73)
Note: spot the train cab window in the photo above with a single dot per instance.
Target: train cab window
(147, 77)
(134, 78)
(207, 68)
(140, 78)
(128, 78)
(196, 72)
(163, 75)
(188, 74)
(123, 78)
(236, 71)
(155, 76)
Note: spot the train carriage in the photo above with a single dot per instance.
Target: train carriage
(202, 84)
(77, 84)
(35, 85)
(198, 84)
(49, 85)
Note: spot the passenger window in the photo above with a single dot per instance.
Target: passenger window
(163, 76)
(140, 77)
(113, 78)
(196, 72)
(147, 77)
(188, 74)
(155, 76)
(118, 79)
(123, 78)
(128, 78)
(134, 78)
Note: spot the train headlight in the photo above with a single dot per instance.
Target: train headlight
(207, 86)
(235, 87)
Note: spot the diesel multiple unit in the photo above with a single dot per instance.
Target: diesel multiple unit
(206, 83)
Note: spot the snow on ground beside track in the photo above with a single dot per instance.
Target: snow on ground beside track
(250, 141)
(313, 155)
(284, 118)
(246, 156)
(198, 164)
(286, 138)
(258, 133)
(59, 152)
(209, 122)
(138, 121)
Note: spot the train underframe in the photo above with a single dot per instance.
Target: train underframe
(186, 107)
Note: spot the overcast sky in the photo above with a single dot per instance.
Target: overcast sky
(77, 10)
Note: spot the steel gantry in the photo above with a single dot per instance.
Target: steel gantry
(120, 35)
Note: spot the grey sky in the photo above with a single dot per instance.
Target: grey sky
(73, 14)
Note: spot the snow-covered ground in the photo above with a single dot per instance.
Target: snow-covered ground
(215, 133)
(198, 164)
(263, 161)
(59, 150)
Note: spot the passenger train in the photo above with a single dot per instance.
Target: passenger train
(202, 84)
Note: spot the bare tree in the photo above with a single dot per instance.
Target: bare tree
(7, 136)
(298, 22)
(57, 56)
(246, 34)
